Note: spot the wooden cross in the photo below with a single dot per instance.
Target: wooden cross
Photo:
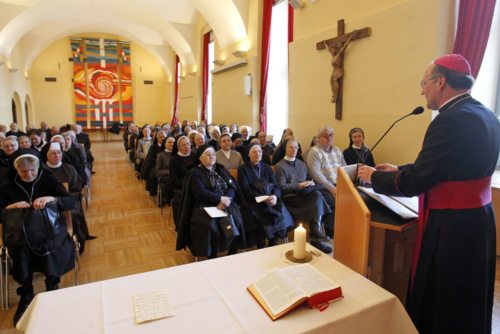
(337, 47)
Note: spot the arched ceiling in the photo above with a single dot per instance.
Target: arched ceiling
(156, 25)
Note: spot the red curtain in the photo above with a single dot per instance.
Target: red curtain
(264, 56)
(473, 30)
(206, 41)
(175, 117)
(290, 23)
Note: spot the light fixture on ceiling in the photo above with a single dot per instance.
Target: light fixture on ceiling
(218, 62)
(240, 54)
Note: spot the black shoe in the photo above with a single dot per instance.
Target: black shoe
(91, 237)
(24, 302)
(321, 246)
(81, 248)
(316, 230)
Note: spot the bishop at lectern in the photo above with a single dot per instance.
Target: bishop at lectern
(453, 271)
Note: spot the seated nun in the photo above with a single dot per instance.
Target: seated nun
(162, 171)
(357, 152)
(148, 167)
(34, 187)
(301, 196)
(279, 153)
(65, 173)
(180, 164)
(209, 185)
(270, 218)
(142, 149)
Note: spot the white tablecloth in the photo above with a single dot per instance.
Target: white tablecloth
(211, 297)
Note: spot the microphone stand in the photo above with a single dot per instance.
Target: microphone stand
(386, 132)
(416, 111)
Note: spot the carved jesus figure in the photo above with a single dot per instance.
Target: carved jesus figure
(337, 56)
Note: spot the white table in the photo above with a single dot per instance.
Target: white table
(211, 297)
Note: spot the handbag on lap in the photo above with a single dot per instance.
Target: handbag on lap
(228, 227)
(36, 228)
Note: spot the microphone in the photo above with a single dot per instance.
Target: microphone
(416, 111)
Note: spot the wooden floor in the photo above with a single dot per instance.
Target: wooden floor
(133, 236)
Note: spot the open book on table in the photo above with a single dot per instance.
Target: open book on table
(283, 289)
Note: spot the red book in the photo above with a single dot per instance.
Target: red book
(284, 289)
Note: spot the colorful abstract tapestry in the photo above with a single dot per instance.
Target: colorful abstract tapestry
(102, 81)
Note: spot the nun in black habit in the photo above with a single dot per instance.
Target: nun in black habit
(270, 218)
(208, 185)
(34, 187)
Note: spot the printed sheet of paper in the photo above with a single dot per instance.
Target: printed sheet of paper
(152, 306)
(260, 199)
(215, 212)
(391, 204)
(410, 202)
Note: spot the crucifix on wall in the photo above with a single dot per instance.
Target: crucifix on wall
(337, 46)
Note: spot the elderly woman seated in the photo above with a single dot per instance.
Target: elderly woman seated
(279, 153)
(148, 167)
(24, 142)
(209, 185)
(162, 171)
(180, 164)
(269, 217)
(35, 188)
(301, 195)
(132, 140)
(199, 139)
(143, 145)
(72, 147)
(214, 137)
(9, 146)
(66, 173)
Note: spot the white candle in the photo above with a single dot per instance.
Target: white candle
(299, 242)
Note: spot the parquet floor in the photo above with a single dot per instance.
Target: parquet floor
(133, 236)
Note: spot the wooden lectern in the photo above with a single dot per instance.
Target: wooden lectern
(371, 239)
